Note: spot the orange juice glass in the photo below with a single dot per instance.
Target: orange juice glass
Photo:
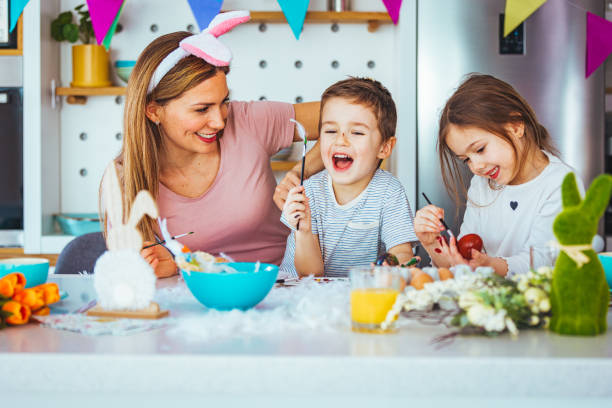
(373, 293)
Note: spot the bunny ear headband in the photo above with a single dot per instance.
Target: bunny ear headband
(204, 45)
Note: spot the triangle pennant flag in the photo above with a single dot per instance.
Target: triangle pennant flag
(295, 13)
(517, 11)
(112, 29)
(103, 13)
(598, 42)
(393, 8)
(204, 11)
(16, 7)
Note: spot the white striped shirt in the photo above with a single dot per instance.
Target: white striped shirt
(356, 233)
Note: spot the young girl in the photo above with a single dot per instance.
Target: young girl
(515, 192)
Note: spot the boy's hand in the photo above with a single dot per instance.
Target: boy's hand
(427, 225)
(291, 179)
(297, 209)
(160, 260)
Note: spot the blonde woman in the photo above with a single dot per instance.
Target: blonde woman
(203, 157)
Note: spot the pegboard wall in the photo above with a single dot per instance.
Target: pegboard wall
(268, 63)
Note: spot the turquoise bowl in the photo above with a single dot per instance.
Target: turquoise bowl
(35, 270)
(606, 261)
(226, 291)
(79, 223)
(124, 68)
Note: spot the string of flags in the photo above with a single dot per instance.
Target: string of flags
(105, 17)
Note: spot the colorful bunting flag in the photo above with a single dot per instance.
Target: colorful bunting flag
(517, 11)
(598, 42)
(111, 31)
(204, 11)
(16, 7)
(103, 13)
(393, 8)
(295, 13)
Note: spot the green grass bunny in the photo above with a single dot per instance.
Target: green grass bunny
(580, 294)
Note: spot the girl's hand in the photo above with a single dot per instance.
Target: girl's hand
(427, 225)
(451, 252)
(160, 259)
(297, 209)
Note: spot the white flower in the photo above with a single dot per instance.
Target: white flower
(522, 284)
(544, 305)
(534, 320)
(511, 327)
(533, 296)
(468, 299)
(546, 271)
(497, 322)
(484, 271)
(479, 314)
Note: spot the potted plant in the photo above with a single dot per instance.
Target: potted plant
(89, 60)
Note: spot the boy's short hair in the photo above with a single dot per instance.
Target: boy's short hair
(368, 92)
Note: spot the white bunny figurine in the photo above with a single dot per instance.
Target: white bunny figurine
(122, 278)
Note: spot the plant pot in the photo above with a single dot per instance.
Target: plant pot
(89, 66)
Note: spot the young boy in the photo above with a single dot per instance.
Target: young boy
(351, 212)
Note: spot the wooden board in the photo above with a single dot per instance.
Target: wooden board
(152, 312)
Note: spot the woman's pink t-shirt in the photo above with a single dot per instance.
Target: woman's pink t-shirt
(237, 215)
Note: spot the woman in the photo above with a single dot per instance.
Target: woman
(205, 159)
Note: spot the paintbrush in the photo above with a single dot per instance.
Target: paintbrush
(441, 220)
(302, 133)
(164, 241)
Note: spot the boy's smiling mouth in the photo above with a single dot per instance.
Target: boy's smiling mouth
(342, 161)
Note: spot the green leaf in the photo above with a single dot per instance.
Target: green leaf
(65, 17)
(56, 30)
(79, 7)
(71, 32)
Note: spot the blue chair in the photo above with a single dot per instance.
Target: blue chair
(81, 254)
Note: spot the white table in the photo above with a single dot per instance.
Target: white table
(304, 368)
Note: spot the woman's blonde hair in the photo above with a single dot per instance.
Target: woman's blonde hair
(487, 103)
(138, 161)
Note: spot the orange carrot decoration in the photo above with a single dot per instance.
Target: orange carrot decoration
(20, 314)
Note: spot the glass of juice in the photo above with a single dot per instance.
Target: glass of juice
(373, 293)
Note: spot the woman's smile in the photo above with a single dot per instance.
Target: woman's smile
(207, 138)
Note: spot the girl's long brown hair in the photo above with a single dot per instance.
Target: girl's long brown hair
(138, 161)
(487, 103)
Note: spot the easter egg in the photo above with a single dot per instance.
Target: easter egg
(419, 279)
(469, 242)
(445, 274)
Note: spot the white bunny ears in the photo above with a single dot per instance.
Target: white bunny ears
(119, 235)
(204, 45)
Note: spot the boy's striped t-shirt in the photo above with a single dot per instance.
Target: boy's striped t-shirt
(356, 233)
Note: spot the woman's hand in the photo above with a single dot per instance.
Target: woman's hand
(291, 180)
(297, 209)
(160, 259)
(427, 225)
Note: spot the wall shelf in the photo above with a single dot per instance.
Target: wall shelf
(278, 165)
(372, 18)
(78, 96)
